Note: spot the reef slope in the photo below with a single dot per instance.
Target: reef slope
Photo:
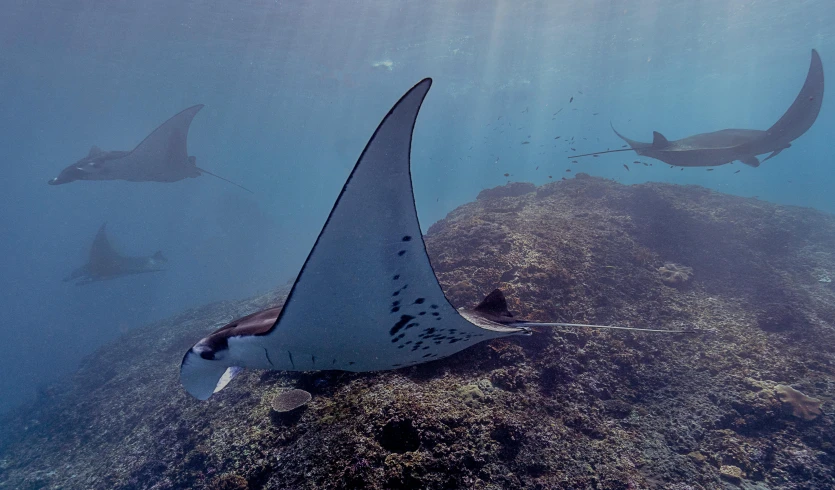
(578, 409)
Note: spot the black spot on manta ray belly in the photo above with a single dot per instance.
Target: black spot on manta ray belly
(401, 253)
(404, 319)
(407, 238)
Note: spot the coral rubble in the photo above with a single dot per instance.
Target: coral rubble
(560, 409)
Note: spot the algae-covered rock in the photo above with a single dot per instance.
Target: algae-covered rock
(731, 473)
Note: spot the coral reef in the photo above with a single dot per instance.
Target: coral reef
(577, 409)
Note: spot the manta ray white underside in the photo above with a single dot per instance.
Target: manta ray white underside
(367, 298)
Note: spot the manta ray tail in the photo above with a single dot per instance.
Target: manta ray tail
(222, 178)
(610, 327)
(633, 145)
(600, 153)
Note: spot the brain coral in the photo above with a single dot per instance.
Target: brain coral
(674, 273)
(290, 400)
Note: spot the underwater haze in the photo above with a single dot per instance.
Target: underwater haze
(293, 90)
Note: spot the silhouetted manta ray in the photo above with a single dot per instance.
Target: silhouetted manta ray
(366, 298)
(727, 145)
(105, 263)
(161, 157)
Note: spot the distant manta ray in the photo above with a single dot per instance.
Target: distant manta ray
(161, 157)
(727, 145)
(106, 263)
(366, 298)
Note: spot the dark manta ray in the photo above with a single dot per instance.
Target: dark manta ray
(106, 263)
(161, 157)
(727, 145)
(366, 298)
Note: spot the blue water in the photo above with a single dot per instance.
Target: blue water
(293, 90)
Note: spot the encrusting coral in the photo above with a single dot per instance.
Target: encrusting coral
(804, 407)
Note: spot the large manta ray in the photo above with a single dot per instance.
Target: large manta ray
(106, 263)
(161, 157)
(366, 298)
(727, 145)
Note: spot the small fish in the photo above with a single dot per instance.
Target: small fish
(573, 149)
(573, 161)
(537, 167)
(636, 161)
(595, 155)
(580, 92)
(627, 168)
(736, 172)
(710, 170)
(568, 170)
(558, 111)
(499, 119)
(556, 137)
(571, 100)
(550, 177)
(595, 113)
(564, 178)
(526, 142)
(507, 175)
(526, 110)
(645, 164)
(623, 146)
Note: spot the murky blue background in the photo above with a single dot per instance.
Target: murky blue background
(293, 90)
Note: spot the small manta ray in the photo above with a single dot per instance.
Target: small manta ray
(106, 263)
(161, 157)
(367, 298)
(727, 145)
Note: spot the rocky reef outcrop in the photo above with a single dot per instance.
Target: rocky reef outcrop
(746, 404)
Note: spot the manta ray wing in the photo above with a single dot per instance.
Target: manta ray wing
(162, 156)
(104, 260)
(804, 110)
(367, 298)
